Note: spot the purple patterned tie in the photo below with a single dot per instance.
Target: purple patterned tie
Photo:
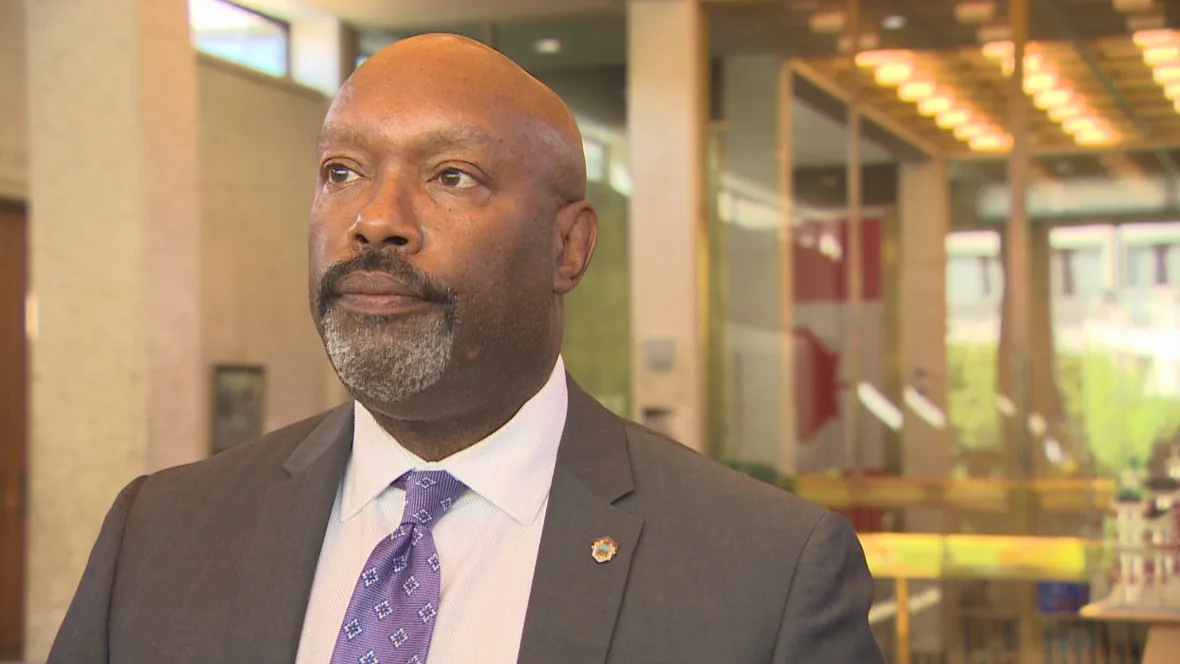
(390, 618)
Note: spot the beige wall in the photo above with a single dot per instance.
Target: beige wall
(257, 166)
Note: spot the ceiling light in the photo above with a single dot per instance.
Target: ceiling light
(894, 73)
(933, 105)
(1176, 105)
(893, 22)
(992, 142)
(1165, 74)
(1066, 111)
(915, 90)
(952, 118)
(1158, 54)
(1128, 6)
(1144, 38)
(877, 58)
(968, 131)
(1051, 98)
(1079, 124)
(998, 50)
(1095, 137)
(548, 46)
(975, 11)
(1172, 91)
(993, 33)
(1034, 83)
(827, 22)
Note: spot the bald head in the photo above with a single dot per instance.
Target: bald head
(480, 78)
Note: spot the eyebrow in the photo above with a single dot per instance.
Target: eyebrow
(433, 140)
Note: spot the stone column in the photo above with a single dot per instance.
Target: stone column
(667, 114)
(923, 223)
(118, 387)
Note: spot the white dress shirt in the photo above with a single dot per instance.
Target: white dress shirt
(487, 541)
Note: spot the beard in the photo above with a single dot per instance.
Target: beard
(387, 360)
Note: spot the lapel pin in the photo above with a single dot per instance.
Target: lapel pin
(604, 550)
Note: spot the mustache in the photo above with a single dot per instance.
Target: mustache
(376, 260)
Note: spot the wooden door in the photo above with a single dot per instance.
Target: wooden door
(13, 428)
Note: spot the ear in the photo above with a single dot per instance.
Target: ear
(574, 237)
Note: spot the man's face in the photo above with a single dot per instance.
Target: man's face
(429, 235)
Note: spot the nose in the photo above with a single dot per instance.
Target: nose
(388, 219)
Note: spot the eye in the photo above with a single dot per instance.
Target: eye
(456, 179)
(337, 174)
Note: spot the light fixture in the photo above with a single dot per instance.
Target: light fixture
(1080, 124)
(1066, 111)
(876, 58)
(894, 73)
(968, 131)
(1038, 82)
(952, 118)
(1145, 38)
(915, 90)
(828, 23)
(998, 50)
(1165, 74)
(1158, 54)
(1172, 91)
(991, 142)
(975, 11)
(893, 22)
(934, 104)
(547, 46)
(1096, 136)
(1052, 98)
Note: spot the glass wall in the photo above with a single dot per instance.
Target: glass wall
(979, 286)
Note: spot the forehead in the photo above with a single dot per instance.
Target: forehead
(447, 114)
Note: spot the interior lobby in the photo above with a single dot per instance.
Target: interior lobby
(915, 261)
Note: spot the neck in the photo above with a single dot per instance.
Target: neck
(456, 429)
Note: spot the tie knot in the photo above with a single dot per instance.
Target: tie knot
(429, 494)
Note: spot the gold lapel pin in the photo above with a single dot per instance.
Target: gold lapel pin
(604, 549)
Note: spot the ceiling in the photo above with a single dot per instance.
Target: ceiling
(400, 14)
(1088, 43)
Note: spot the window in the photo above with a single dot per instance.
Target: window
(1153, 265)
(239, 35)
(1140, 266)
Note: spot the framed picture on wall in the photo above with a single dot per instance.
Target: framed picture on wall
(239, 392)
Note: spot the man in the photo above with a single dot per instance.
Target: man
(473, 504)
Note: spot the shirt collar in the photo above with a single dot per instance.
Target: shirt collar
(512, 468)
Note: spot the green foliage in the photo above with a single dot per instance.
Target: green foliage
(1113, 406)
(1109, 400)
(971, 386)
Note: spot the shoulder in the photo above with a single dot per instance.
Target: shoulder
(673, 479)
(256, 463)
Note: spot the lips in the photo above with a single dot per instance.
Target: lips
(376, 284)
(378, 294)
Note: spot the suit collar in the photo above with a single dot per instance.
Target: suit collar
(575, 600)
(594, 448)
(274, 577)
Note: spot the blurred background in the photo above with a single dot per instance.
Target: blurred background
(915, 260)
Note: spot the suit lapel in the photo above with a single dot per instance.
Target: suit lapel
(575, 600)
(279, 560)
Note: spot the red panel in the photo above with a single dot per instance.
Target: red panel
(822, 278)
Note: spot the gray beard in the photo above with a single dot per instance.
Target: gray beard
(385, 361)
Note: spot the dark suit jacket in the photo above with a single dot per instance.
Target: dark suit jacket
(213, 562)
